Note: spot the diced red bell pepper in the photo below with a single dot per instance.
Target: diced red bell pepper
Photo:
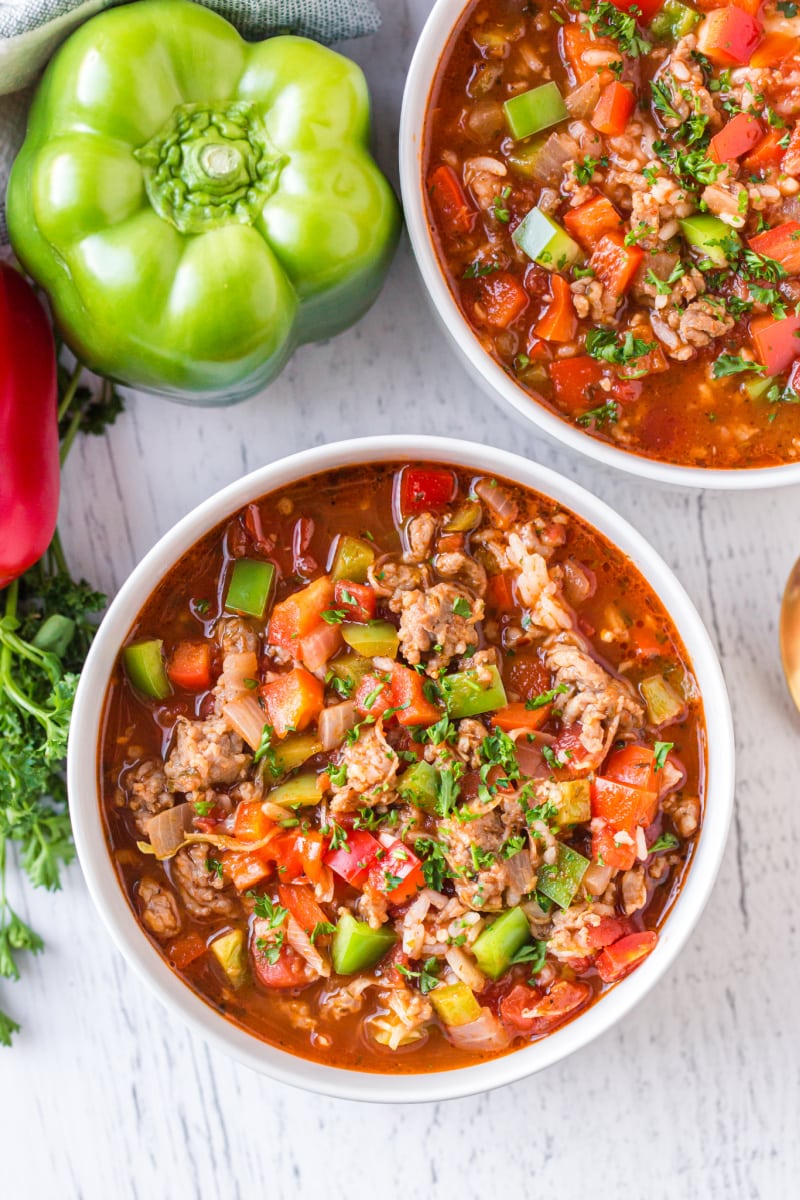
(245, 870)
(408, 697)
(501, 299)
(589, 221)
(499, 594)
(612, 848)
(775, 49)
(781, 243)
(615, 264)
(293, 700)
(623, 806)
(185, 950)
(768, 153)
(425, 487)
(791, 159)
(288, 971)
(250, 823)
(298, 898)
(528, 1010)
(574, 40)
(373, 696)
(517, 716)
(558, 323)
(633, 765)
(617, 960)
(607, 931)
(299, 614)
(396, 873)
(356, 600)
(728, 36)
(569, 748)
(449, 200)
(613, 110)
(571, 379)
(739, 136)
(189, 666)
(776, 342)
(353, 861)
(647, 9)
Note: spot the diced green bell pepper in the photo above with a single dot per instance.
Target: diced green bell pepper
(198, 205)
(376, 639)
(455, 1004)
(419, 785)
(352, 558)
(288, 754)
(357, 947)
(144, 666)
(757, 386)
(300, 792)
(664, 703)
(55, 635)
(709, 235)
(574, 801)
(250, 587)
(673, 21)
(467, 516)
(530, 112)
(351, 668)
(466, 696)
(495, 947)
(545, 242)
(231, 954)
(561, 880)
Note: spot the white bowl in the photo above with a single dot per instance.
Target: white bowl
(146, 960)
(433, 41)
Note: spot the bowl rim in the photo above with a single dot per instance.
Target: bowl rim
(135, 946)
(432, 42)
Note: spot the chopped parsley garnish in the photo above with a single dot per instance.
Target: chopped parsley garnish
(342, 687)
(785, 395)
(428, 974)
(481, 859)
(662, 100)
(534, 954)
(733, 364)
(337, 774)
(462, 607)
(545, 698)
(477, 269)
(338, 836)
(266, 751)
(598, 416)
(603, 345)
(667, 841)
(662, 749)
(690, 166)
(607, 21)
(500, 208)
(320, 930)
(583, 171)
(214, 867)
(203, 807)
(434, 864)
(513, 845)
(447, 790)
(334, 616)
(760, 266)
(787, 8)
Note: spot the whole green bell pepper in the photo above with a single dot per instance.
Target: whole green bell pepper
(197, 206)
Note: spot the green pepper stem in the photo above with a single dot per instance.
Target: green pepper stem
(69, 394)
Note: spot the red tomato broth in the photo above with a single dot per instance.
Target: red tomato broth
(358, 501)
(682, 415)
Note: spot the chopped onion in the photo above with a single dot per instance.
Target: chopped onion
(299, 940)
(465, 968)
(236, 670)
(484, 1033)
(247, 718)
(582, 102)
(220, 841)
(317, 647)
(167, 830)
(498, 501)
(530, 757)
(521, 876)
(334, 723)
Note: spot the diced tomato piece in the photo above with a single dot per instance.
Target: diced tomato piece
(501, 299)
(781, 243)
(189, 666)
(633, 765)
(776, 342)
(623, 806)
(608, 931)
(245, 870)
(288, 971)
(449, 200)
(299, 899)
(425, 487)
(775, 49)
(356, 600)
(537, 349)
(299, 614)
(499, 594)
(558, 323)
(517, 716)
(617, 960)
(353, 860)
(373, 696)
(185, 950)
(527, 675)
(589, 221)
(728, 36)
(615, 264)
(250, 823)
(646, 642)
(293, 700)
(791, 159)
(396, 873)
(739, 136)
(627, 391)
(768, 152)
(572, 377)
(569, 748)
(613, 110)
(409, 698)
(298, 854)
(528, 1010)
(612, 848)
(647, 9)
(573, 41)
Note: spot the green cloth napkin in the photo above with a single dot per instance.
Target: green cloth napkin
(30, 30)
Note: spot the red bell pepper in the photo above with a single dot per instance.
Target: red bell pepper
(353, 860)
(623, 806)
(189, 666)
(776, 342)
(558, 322)
(572, 377)
(781, 243)
(425, 487)
(740, 135)
(501, 300)
(617, 960)
(288, 970)
(633, 765)
(184, 950)
(611, 847)
(499, 594)
(775, 49)
(293, 700)
(614, 263)
(768, 152)
(528, 1010)
(356, 600)
(613, 110)
(250, 823)
(448, 198)
(373, 696)
(396, 873)
(245, 869)
(29, 465)
(299, 614)
(647, 9)
(298, 854)
(413, 706)
(299, 899)
(589, 221)
(728, 36)
(517, 716)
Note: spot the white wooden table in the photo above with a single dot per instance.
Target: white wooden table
(107, 1097)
